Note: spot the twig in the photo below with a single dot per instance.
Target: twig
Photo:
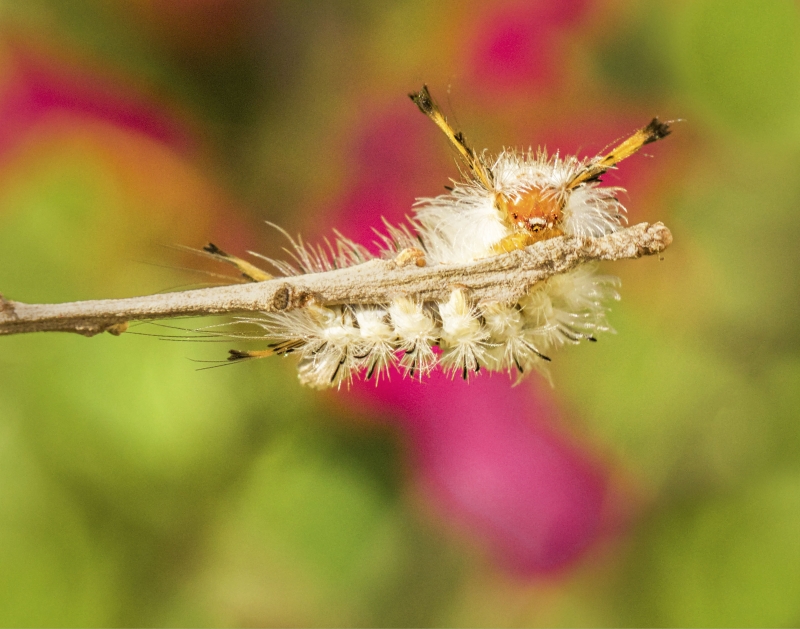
(503, 278)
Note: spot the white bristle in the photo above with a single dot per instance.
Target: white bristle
(332, 355)
(378, 340)
(463, 335)
(417, 333)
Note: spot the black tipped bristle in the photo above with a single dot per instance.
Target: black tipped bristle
(336, 371)
(213, 249)
(235, 354)
(423, 100)
(656, 130)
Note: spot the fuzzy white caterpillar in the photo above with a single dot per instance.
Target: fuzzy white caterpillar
(505, 203)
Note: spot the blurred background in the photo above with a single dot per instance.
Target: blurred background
(657, 482)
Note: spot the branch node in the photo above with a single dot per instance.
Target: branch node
(281, 298)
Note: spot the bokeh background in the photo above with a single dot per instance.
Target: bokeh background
(657, 482)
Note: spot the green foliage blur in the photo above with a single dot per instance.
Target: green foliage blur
(135, 490)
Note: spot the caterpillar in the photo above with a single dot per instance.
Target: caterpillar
(503, 203)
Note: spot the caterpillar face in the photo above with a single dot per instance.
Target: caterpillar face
(536, 212)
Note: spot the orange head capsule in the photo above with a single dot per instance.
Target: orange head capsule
(535, 213)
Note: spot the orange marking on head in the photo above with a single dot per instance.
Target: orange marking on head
(536, 212)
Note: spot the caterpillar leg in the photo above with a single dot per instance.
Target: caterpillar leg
(522, 239)
(410, 255)
(518, 240)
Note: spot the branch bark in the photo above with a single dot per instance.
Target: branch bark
(503, 278)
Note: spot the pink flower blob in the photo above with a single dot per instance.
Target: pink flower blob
(517, 45)
(39, 88)
(490, 456)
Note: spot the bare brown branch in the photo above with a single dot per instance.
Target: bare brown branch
(503, 278)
